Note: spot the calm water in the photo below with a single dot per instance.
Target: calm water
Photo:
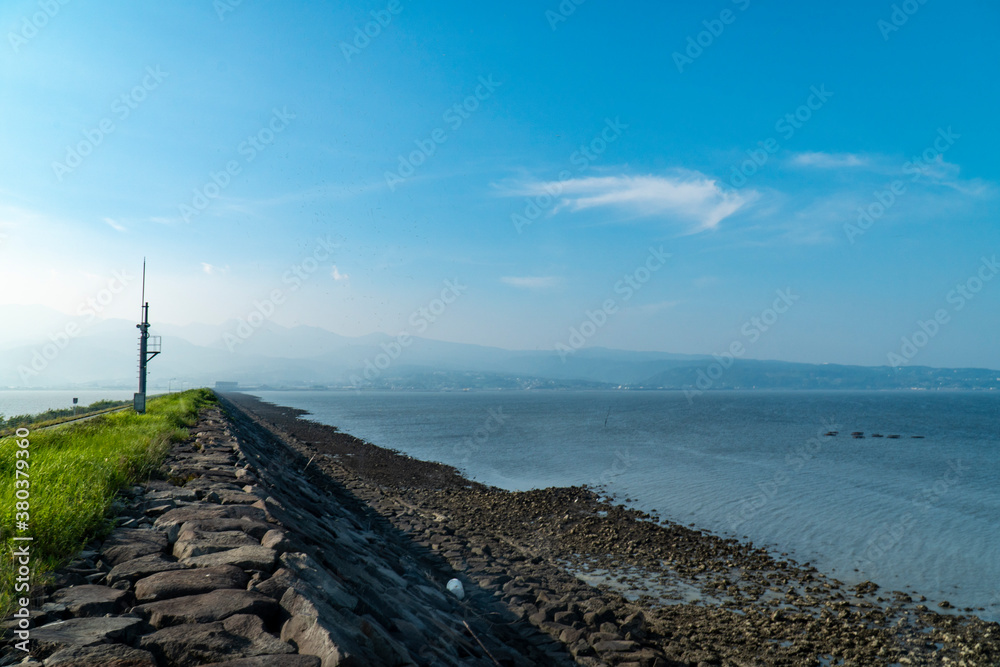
(32, 402)
(910, 514)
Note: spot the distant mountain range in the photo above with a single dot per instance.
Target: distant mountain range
(48, 349)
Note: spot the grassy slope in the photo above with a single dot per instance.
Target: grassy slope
(75, 473)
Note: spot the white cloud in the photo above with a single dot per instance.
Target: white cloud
(531, 282)
(114, 225)
(830, 160)
(211, 268)
(337, 275)
(687, 195)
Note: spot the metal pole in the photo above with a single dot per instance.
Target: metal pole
(143, 344)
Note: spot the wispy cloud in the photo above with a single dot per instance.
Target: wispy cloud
(821, 160)
(941, 172)
(337, 275)
(531, 282)
(115, 225)
(212, 269)
(687, 196)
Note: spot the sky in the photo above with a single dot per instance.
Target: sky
(817, 182)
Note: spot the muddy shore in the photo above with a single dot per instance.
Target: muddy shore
(617, 586)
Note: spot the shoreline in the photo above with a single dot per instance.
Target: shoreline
(776, 611)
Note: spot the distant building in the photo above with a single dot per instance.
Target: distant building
(227, 386)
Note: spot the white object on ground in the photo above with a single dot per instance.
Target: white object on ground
(455, 588)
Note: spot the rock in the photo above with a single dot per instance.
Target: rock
(278, 540)
(174, 493)
(83, 632)
(866, 587)
(130, 543)
(276, 585)
(615, 645)
(314, 575)
(106, 655)
(272, 661)
(318, 629)
(178, 583)
(192, 543)
(92, 600)
(255, 529)
(228, 497)
(190, 645)
(207, 607)
(245, 558)
(252, 627)
(171, 521)
(141, 567)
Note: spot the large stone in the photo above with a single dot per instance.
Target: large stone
(291, 660)
(208, 607)
(246, 558)
(315, 575)
(232, 497)
(174, 493)
(141, 567)
(105, 655)
(127, 544)
(276, 585)
(83, 632)
(178, 583)
(255, 529)
(279, 540)
(171, 521)
(317, 628)
(192, 543)
(91, 600)
(190, 645)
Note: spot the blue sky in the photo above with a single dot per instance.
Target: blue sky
(746, 158)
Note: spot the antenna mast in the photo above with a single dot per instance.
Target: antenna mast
(149, 347)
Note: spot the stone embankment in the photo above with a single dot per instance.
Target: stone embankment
(237, 559)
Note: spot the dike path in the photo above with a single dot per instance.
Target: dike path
(272, 541)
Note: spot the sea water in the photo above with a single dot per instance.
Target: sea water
(913, 514)
(21, 402)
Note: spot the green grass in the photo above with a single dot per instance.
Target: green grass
(75, 473)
